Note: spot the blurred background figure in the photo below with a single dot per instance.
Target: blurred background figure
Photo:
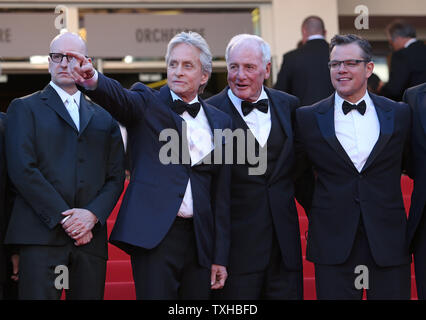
(304, 72)
(408, 61)
(374, 83)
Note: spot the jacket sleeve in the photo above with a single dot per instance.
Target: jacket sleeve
(103, 204)
(127, 106)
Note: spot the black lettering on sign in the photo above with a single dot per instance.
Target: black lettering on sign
(148, 35)
(5, 35)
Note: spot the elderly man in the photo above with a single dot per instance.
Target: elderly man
(266, 257)
(66, 160)
(408, 61)
(174, 219)
(355, 142)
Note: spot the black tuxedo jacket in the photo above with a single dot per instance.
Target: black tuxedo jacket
(156, 190)
(3, 212)
(305, 74)
(407, 69)
(54, 167)
(416, 98)
(253, 198)
(342, 194)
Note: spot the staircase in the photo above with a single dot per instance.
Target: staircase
(119, 280)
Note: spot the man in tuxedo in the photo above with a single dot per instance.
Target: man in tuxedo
(355, 142)
(416, 98)
(65, 158)
(4, 261)
(408, 61)
(174, 218)
(265, 257)
(304, 71)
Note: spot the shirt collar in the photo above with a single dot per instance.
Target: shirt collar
(316, 36)
(412, 40)
(65, 95)
(237, 101)
(338, 101)
(176, 97)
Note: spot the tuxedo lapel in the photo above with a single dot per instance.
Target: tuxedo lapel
(86, 113)
(285, 120)
(53, 101)
(386, 119)
(421, 104)
(325, 119)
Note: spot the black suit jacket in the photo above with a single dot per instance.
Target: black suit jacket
(407, 69)
(416, 98)
(3, 211)
(342, 194)
(54, 167)
(253, 198)
(156, 190)
(305, 74)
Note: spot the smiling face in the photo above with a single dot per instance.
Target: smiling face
(246, 71)
(184, 71)
(59, 71)
(350, 82)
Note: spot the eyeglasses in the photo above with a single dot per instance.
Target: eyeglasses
(352, 63)
(57, 57)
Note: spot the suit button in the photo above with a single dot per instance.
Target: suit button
(356, 200)
(81, 160)
(181, 195)
(80, 139)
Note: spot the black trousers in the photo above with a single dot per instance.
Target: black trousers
(420, 258)
(38, 280)
(276, 282)
(339, 282)
(171, 270)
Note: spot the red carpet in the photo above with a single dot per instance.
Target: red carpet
(119, 282)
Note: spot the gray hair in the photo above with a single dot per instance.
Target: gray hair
(196, 40)
(241, 38)
(400, 28)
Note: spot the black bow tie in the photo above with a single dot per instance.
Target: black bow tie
(261, 105)
(180, 107)
(361, 107)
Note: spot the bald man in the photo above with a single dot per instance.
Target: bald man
(304, 71)
(66, 159)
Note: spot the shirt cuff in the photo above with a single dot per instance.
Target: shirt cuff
(92, 83)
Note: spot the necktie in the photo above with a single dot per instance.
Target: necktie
(261, 105)
(73, 111)
(180, 107)
(361, 107)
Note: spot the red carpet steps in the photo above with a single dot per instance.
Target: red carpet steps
(119, 281)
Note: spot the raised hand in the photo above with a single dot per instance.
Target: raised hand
(80, 68)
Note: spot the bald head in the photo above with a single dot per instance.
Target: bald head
(68, 39)
(312, 25)
(62, 44)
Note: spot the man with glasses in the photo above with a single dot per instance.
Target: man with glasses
(65, 157)
(355, 142)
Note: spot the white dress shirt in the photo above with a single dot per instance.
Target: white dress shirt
(200, 143)
(258, 122)
(357, 133)
(71, 103)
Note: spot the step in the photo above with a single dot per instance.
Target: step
(119, 271)
(120, 291)
(115, 253)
